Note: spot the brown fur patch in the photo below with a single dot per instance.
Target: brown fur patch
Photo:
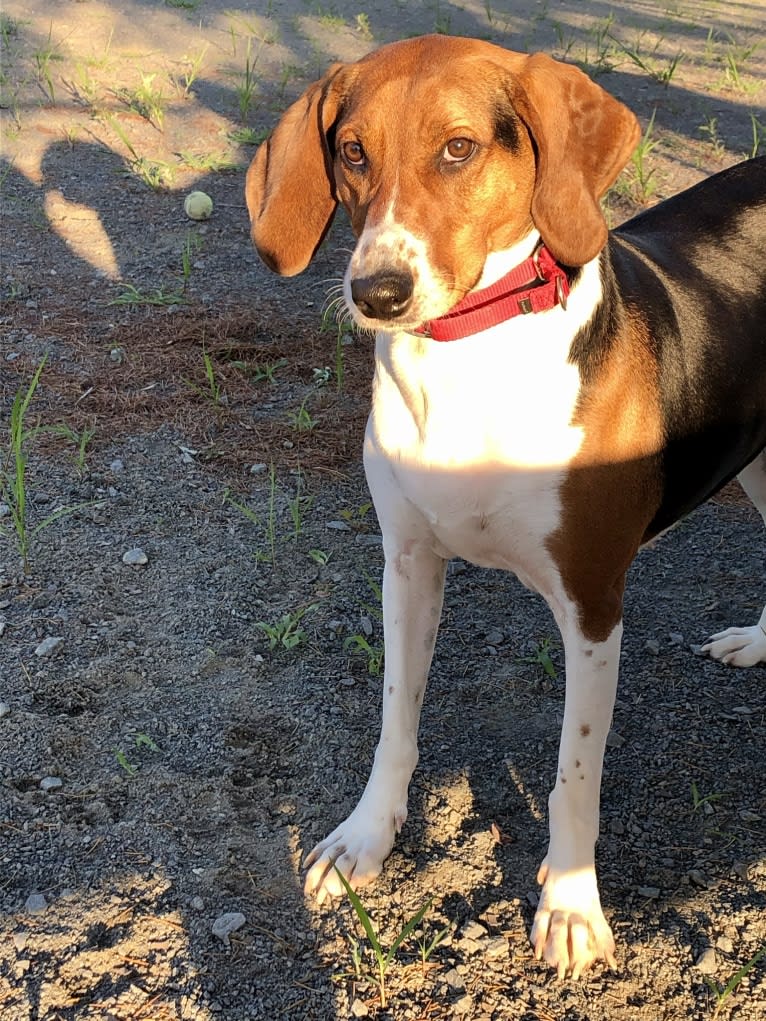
(614, 485)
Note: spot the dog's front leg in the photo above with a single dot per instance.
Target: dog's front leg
(570, 930)
(413, 589)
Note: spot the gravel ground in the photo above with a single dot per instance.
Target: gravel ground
(162, 768)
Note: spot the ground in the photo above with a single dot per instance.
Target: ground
(211, 708)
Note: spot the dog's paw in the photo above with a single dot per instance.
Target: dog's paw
(570, 931)
(738, 646)
(358, 847)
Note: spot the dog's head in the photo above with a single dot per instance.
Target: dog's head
(442, 151)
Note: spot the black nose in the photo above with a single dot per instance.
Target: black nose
(383, 296)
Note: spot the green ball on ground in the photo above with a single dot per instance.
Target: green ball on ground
(198, 205)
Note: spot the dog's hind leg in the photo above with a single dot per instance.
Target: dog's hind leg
(745, 646)
(413, 589)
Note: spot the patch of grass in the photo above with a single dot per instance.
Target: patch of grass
(699, 801)
(13, 474)
(192, 67)
(209, 163)
(649, 64)
(155, 175)
(301, 420)
(213, 392)
(249, 136)
(723, 993)
(285, 631)
(759, 132)
(382, 957)
(374, 653)
(146, 99)
(43, 59)
(541, 656)
(132, 296)
(710, 128)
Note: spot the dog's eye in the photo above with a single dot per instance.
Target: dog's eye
(353, 154)
(457, 150)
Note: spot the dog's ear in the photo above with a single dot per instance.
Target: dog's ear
(584, 138)
(290, 190)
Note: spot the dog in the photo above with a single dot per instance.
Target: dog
(548, 395)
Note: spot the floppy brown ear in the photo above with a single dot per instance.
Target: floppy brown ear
(289, 189)
(584, 137)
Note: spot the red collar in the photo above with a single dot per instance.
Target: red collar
(537, 285)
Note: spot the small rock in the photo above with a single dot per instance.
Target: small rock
(359, 1008)
(35, 904)
(725, 944)
(697, 878)
(117, 466)
(706, 962)
(48, 646)
(258, 469)
(366, 624)
(494, 637)
(614, 740)
(473, 930)
(51, 783)
(617, 826)
(226, 924)
(676, 638)
(464, 1005)
(652, 646)
(117, 355)
(20, 941)
(135, 557)
(197, 903)
(5, 510)
(4, 709)
(741, 870)
(496, 948)
(650, 892)
(339, 526)
(454, 979)
(347, 682)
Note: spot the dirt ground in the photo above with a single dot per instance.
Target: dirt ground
(161, 764)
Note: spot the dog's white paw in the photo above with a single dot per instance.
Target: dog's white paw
(358, 847)
(569, 930)
(738, 646)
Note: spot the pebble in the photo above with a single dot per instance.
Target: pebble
(496, 948)
(197, 903)
(614, 740)
(51, 783)
(339, 526)
(5, 510)
(135, 557)
(494, 637)
(697, 878)
(258, 469)
(117, 465)
(652, 647)
(20, 941)
(650, 892)
(725, 944)
(473, 930)
(226, 924)
(464, 1005)
(35, 904)
(48, 646)
(707, 962)
(4, 709)
(454, 979)
(359, 1008)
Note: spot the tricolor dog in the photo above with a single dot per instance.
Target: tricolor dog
(548, 395)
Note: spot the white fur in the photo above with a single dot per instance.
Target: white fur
(462, 461)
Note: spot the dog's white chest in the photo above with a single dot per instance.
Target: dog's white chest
(474, 437)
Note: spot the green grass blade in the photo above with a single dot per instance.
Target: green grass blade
(362, 915)
(416, 919)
